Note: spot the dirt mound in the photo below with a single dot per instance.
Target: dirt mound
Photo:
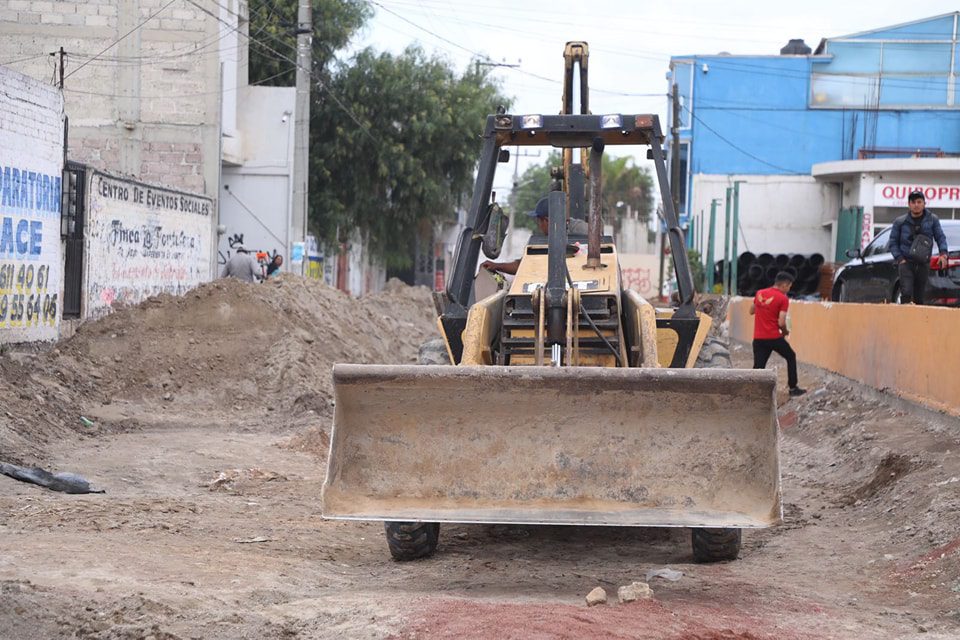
(35, 410)
(228, 348)
(893, 467)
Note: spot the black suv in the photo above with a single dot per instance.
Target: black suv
(872, 276)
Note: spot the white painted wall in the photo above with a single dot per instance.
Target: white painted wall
(31, 166)
(640, 272)
(778, 214)
(255, 197)
(634, 237)
(363, 274)
(141, 241)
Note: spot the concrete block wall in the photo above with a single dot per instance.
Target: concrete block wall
(31, 163)
(149, 107)
(908, 350)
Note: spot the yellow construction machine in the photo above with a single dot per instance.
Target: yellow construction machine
(565, 398)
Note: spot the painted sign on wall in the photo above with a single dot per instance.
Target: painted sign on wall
(937, 196)
(142, 241)
(29, 254)
(31, 162)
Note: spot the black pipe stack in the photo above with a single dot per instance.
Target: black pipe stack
(755, 272)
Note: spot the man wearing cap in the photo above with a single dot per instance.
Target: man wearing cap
(541, 213)
(243, 266)
(914, 269)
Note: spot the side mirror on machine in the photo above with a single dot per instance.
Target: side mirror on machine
(503, 155)
(495, 232)
(854, 253)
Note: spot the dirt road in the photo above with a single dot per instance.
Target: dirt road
(210, 527)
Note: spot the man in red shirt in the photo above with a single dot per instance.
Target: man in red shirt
(770, 328)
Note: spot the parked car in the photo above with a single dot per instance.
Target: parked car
(871, 276)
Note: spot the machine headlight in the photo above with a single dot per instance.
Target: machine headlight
(613, 121)
(532, 122)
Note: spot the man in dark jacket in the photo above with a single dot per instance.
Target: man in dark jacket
(914, 272)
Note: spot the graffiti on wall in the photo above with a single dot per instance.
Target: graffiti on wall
(640, 272)
(29, 254)
(143, 241)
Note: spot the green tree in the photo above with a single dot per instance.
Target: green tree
(273, 25)
(533, 184)
(623, 184)
(394, 139)
(394, 146)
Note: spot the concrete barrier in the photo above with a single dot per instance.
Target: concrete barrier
(911, 351)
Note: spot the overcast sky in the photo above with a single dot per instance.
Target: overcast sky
(630, 41)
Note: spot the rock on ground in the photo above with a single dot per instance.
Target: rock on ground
(597, 596)
(634, 591)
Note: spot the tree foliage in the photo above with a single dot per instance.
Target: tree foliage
(394, 139)
(624, 184)
(394, 145)
(273, 25)
(533, 184)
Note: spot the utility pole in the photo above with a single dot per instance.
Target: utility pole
(736, 230)
(301, 126)
(726, 242)
(479, 64)
(62, 55)
(711, 241)
(674, 174)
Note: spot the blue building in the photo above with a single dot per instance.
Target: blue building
(817, 136)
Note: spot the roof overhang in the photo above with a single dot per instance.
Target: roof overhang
(830, 171)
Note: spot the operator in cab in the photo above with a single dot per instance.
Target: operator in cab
(542, 215)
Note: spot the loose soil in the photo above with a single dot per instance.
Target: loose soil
(211, 420)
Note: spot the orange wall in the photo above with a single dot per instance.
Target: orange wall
(913, 351)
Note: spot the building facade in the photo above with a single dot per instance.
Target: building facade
(31, 252)
(812, 133)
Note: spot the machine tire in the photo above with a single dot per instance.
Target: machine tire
(433, 352)
(714, 354)
(412, 540)
(714, 545)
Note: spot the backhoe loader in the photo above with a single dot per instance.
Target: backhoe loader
(565, 398)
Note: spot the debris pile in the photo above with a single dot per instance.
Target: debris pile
(254, 353)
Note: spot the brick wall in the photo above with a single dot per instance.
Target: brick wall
(148, 108)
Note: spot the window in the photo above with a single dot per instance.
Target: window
(878, 244)
(879, 71)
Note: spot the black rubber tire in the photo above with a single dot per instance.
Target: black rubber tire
(714, 354)
(715, 545)
(412, 540)
(839, 292)
(433, 352)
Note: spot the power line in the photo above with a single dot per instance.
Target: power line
(39, 55)
(487, 58)
(320, 83)
(179, 95)
(900, 82)
(735, 146)
(120, 39)
(196, 49)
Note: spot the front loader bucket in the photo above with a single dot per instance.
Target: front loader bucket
(542, 445)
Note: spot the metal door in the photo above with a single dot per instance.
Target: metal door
(71, 228)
